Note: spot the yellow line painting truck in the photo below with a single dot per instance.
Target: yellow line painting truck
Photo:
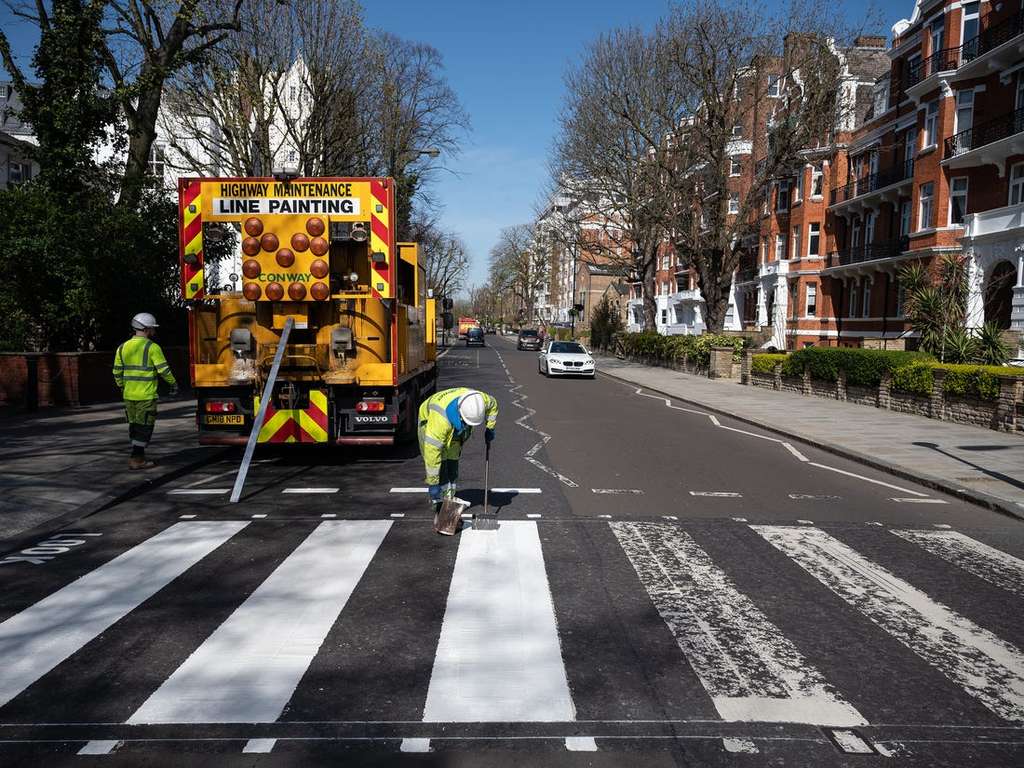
(322, 253)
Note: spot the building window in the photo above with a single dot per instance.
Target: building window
(798, 186)
(780, 247)
(854, 308)
(905, 218)
(735, 167)
(935, 35)
(737, 131)
(866, 300)
(773, 85)
(811, 300)
(293, 93)
(910, 145)
(1020, 91)
(957, 199)
(964, 110)
(664, 262)
(5, 91)
(814, 239)
(795, 252)
(157, 161)
(734, 202)
(18, 173)
(869, 228)
(926, 202)
(1017, 184)
(664, 317)
(901, 298)
(913, 65)
(970, 30)
(931, 124)
(782, 196)
(291, 156)
(817, 180)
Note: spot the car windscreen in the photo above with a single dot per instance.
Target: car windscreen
(567, 348)
(527, 333)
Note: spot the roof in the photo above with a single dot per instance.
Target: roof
(606, 269)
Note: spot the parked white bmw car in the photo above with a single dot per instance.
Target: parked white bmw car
(565, 358)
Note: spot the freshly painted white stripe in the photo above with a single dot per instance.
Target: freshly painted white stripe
(310, 490)
(99, 747)
(398, 514)
(740, 519)
(814, 497)
(806, 522)
(498, 658)
(986, 666)
(874, 522)
(748, 667)
(740, 746)
(258, 517)
(975, 557)
(198, 491)
(187, 517)
(259, 746)
(39, 638)
(865, 479)
(851, 743)
(605, 517)
(533, 515)
(247, 670)
(415, 745)
(718, 494)
(944, 526)
(328, 515)
(670, 517)
(920, 501)
(795, 452)
(580, 744)
(633, 491)
(422, 489)
(515, 490)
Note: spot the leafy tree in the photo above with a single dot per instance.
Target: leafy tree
(936, 305)
(604, 324)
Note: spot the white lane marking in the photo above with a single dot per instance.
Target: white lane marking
(187, 517)
(740, 746)
(259, 746)
(800, 457)
(258, 517)
(806, 522)
(328, 515)
(247, 670)
(398, 514)
(545, 438)
(919, 501)
(740, 519)
(874, 522)
(975, 557)
(198, 491)
(99, 747)
(718, 494)
(310, 490)
(498, 658)
(516, 490)
(942, 525)
(865, 479)
(422, 489)
(851, 743)
(415, 745)
(42, 636)
(633, 491)
(605, 517)
(987, 667)
(670, 517)
(749, 668)
(580, 744)
(814, 496)
(533, 515)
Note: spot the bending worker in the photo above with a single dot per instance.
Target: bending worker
(446, 421)
(137, 363)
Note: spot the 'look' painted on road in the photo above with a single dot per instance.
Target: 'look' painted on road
(44, 551)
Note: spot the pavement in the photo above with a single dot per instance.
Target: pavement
(664, 589)
(981, 465)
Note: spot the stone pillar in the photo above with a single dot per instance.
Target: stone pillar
(807, 381)
(841, 386)
(885, 391)
(937, 399)
(1011, 392)
(721, 363)
(746, 365)
(777, 377)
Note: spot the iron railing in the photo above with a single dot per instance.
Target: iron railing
(871, 182)
(945, 60)
(868, 252)
(991, 38)
(986, 133)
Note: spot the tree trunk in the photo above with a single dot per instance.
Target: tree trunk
(141, 135)
(715, 286)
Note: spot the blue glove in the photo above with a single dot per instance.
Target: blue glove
(435, 492)
(489, 436)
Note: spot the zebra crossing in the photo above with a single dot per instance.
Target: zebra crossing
(496, 627)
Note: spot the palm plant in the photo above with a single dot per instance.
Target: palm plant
(936, 304)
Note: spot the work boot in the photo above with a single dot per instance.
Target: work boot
(140, 462)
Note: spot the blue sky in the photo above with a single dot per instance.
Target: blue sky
(505, 61)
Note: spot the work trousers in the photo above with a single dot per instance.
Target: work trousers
(141, 420)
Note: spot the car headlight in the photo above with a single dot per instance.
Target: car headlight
(588, 361)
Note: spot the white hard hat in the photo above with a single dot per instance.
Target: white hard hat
(472, 409)
(144, 320)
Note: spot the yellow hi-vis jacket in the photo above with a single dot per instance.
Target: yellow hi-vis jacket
(442, 431)
(137, 363)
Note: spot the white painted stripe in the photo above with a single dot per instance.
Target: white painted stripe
(718, 494)
(920, 501)
(498, 658)
(247, 670)
(748, 667)
(533, 515)
(422, 489)
(580, 744)
(634, 491)
(740, 746)
(944, 526)
(415, 745)
(99, 747)
(258, 517)
(806, 522)
(670, 517)
(310, 490)
(814, 496)
(398, 514)
(39, 638)
(865, 479)
(259, 746)
(515, 490)
(605, 517)
(975, 557)
(851, 743)
(328, 515)
(198, 491)
(187, 517)
(795, 452)
(986, 666)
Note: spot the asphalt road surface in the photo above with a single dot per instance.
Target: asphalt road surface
(666, 588)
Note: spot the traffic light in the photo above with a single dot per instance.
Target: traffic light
(446, 305)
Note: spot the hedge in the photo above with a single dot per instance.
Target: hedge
(863, 367)
(981, 381)
(766, 363)
(672, 349)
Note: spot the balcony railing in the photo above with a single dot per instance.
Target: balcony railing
(941, 61)
(991, 38)
(868, 252)
(988, 132)
(871, 182)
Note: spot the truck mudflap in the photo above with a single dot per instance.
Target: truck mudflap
(296, 425)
